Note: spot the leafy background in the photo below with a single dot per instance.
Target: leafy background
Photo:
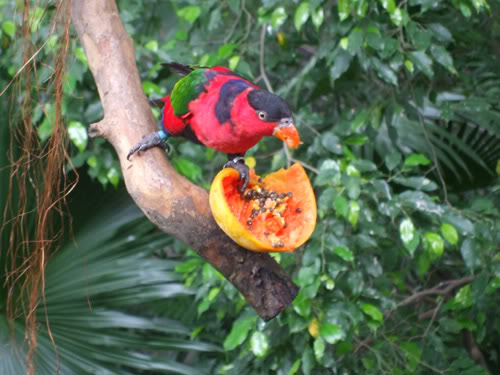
(397, 106)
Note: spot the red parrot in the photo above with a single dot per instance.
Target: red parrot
(222, 110)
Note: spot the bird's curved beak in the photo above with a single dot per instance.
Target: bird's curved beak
(287, 132)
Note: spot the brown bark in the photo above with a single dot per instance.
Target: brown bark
(170, 201)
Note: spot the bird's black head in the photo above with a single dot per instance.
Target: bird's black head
(269, 107)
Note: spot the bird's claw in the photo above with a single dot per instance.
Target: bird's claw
(149, 141)
(238, 163)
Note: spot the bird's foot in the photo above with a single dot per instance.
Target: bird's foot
(156, 139)
(238, 163)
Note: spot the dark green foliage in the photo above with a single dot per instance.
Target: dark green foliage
(97, 288)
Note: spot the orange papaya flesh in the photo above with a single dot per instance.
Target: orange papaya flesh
(276, 213)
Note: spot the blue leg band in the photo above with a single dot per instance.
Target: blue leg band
(162, 134)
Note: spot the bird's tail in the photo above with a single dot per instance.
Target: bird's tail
(179, 68)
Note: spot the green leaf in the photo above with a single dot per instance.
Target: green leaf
(442, 56)
(413, 353)
(332, 143)
(399, 17)
(389, 5)
(302, 14)
(434, 245)
(440, 32)
(374, 37)
(409, 66)
(385, 72)
(392, 160)
(341, 64)
(417, 183)
(306, 276)
(308, 362)
(355, 40)
(259, 344)
(493, 286)
(9, 28)
(207, 300)
(302, 304)
(422, 62)
(344, 253)
(151, 88)
(463, 299)
(373, 312)
(332, 333)
(356, 140)
(317, 17)
(463, 225)
(465, 10)
(278, 17)
(80, 55)
(414, 160)
(319, 348)
(341, 206)
(344, 43)
(362, 8)
(190, 13)
(78, 135)
(344, 9)
(480, 4)
(188, 169)
(471, 254)
(407, 231)
(239, 332)
(233, 64)
(226, 50)
(353, 213)
(449, 233)
(295, 367)
(351, 170)
(152, 45)
(45, 129)
(362, 165)
(113, 176)
(423, 264)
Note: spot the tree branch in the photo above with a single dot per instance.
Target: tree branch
(438, 290)
(170, 201)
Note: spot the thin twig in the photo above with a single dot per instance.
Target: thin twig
(235, 23)
(287, 154)
(261, 60)
(434, 314)
(249, 22)
(436, 291)
(305, 165)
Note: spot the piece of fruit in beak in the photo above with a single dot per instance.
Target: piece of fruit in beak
(287, 132)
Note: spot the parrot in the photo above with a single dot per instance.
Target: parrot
(220, 109)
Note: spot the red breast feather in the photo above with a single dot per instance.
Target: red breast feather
(173, 125)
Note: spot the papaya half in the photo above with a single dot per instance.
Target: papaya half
(275, 213)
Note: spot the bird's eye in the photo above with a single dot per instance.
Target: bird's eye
(262, 115)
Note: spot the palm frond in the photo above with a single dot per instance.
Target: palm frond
(96, 288)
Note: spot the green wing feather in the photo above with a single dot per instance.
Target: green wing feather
(186, 90)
